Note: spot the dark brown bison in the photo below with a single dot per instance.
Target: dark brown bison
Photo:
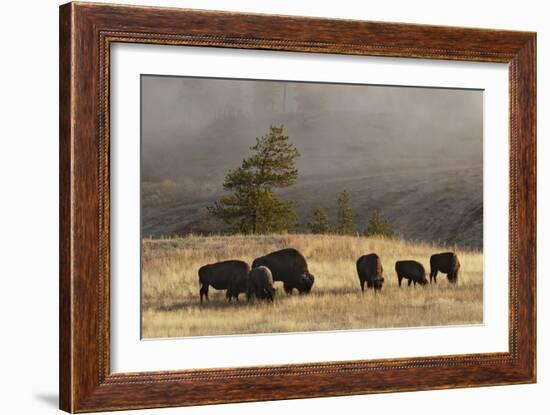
(227, 275)
(369, 270)
(447, 263)
(260, 284)
(289, 266)
(411, 270)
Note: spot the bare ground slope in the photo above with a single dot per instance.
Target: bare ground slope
(422, 204)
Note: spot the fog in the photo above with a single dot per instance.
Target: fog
(198, 128)
(414, 154)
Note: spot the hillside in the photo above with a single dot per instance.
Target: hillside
(432, 204)
(416, 156)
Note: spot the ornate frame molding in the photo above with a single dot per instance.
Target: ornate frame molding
(86, 33)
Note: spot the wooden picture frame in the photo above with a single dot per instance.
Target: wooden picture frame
(86, 33)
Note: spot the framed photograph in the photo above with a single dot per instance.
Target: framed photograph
(258, 207)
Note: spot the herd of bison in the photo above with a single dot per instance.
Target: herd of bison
(290, 267)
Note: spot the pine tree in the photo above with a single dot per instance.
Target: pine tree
(345, 224)
(378, 226)
(319, 223)
(253, 207)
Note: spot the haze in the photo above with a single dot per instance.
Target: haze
(413, 153)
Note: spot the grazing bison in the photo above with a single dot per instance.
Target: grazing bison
(411, 270)
(227, 275)
(447, 263)
(369, 270)
(290, 267)
(260, 283)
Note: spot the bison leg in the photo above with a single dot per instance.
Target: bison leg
(433, 274)
(288, 289)
(399, 279)
(409, 284)
(363, 286)
(204, 291)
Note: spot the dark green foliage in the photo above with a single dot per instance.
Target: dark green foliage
(319, 223)
(253, 207)
(378, 226)
(345, 224)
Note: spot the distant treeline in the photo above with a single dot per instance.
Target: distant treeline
(345, 223)
(252, 207)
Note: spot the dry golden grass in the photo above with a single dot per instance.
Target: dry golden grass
(170, 287)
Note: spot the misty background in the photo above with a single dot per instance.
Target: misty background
(414, 154)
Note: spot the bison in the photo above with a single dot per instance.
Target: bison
(447, 263)
(411, 270)
(369, 270)
(289, 266)
(260, 283)
(227, 275)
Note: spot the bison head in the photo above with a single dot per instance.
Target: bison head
(453, 277)
(305, 283)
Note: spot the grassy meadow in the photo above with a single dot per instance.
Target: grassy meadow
(170, 287)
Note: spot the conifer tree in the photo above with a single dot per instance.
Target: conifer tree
(253, 207)
(378, 226)
(345, 224)
(319, 223)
